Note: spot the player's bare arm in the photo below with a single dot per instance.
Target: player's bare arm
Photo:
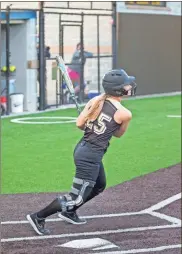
(123, 117)
(82, 119)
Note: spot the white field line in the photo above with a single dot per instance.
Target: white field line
(94, 233)
(163, 203)
(43, 111)
(73, 106)
(145, 211)
(85, 217)
(174, 116)
(155, 249)
(162, 216)
(155, 95)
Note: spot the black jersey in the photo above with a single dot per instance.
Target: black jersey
(100, 131)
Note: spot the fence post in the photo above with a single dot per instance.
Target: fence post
(98, 53)
(81, 93)
(114, 36)
(61, 53)
(41, 57)
(7, 58)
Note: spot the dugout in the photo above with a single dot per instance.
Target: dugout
(18, 33)
(149, 47)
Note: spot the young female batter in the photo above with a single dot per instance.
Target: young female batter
(102, 118)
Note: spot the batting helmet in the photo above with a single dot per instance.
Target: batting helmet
(114, 83)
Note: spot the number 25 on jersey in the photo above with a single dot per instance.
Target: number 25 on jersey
(101, 128)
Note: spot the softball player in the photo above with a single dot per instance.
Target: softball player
(102, 118)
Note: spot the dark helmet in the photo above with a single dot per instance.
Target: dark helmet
(114, 82)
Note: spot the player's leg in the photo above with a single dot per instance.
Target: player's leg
(87, 169)
(71, 216)
(80, 190)
(100, 183)
(77, 84)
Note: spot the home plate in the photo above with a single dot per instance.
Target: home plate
(92, 243)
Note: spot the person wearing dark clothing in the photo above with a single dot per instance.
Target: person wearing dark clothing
(46, 52)
(75, 68)
(102, 118)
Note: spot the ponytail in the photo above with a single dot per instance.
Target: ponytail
(95, 107)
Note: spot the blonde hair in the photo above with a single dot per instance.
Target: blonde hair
(95, 106)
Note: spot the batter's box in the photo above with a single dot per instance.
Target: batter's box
(94, 224)
(154, 210)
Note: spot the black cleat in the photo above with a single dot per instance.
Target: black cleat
(71, 217)
(37, 224)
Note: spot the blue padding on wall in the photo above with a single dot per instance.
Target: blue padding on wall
(19, 15)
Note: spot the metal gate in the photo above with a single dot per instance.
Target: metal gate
(63, 25)
(92, 71)
(66, 22)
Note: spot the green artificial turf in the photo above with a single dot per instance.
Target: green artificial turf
(38, 158)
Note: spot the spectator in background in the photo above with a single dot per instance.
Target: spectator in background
(75, 68)
(46, 50)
